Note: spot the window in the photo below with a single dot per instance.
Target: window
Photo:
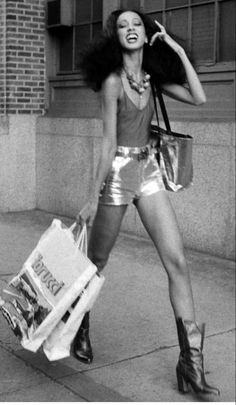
(206, 26)
(87, 24)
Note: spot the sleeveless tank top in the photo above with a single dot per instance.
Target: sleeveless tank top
(133, 124)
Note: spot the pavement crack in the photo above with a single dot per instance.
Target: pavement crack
(166, 347)
(221, 333)
(130, 358)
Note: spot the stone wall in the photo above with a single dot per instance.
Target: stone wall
(17, 163)
(66, 160)
(50, 163)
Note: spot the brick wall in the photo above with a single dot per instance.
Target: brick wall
(2, 50)
(24, 71)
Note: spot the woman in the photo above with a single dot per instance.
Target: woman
(134, 49)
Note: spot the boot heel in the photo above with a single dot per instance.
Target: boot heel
(182, 385)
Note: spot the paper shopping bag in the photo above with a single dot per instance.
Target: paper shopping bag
(58, 343)
(51, 279)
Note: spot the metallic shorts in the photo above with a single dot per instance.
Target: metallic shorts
(135, 173)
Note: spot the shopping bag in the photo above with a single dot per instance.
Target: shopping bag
(58, 344)
(51, 279)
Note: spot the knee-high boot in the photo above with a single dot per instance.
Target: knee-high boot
(190, 368)
(82, 346)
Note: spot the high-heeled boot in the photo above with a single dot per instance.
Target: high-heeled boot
(82, 346)
(190, 368)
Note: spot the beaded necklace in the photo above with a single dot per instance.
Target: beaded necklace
(140, 86)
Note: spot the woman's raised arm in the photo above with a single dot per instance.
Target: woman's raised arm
(194, 93)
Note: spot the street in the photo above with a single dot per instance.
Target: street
(133, 329)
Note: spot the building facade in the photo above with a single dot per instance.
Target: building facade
(50, 122)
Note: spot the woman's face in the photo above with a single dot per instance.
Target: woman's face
(131, 31)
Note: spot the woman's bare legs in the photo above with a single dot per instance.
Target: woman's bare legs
(159, 219)
(105, 229)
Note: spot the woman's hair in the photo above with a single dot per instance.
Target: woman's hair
(104, 55)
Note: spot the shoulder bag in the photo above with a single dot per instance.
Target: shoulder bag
(174, 151)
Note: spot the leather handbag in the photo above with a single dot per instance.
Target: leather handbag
(174, 151)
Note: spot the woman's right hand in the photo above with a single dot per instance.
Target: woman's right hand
(88, 212)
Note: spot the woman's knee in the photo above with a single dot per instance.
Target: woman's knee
(176, 266)
(104, 232)
(99, 258)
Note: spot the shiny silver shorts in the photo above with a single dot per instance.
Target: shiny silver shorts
(135, 173)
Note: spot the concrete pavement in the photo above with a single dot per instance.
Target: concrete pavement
(132, 327)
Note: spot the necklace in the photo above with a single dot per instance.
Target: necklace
(140, 86)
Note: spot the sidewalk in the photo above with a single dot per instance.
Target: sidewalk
(132, 327)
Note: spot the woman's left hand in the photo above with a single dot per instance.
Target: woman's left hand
(163, 36)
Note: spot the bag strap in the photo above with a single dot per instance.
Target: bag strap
(80, 237)
(162, 105)
(155, 103)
